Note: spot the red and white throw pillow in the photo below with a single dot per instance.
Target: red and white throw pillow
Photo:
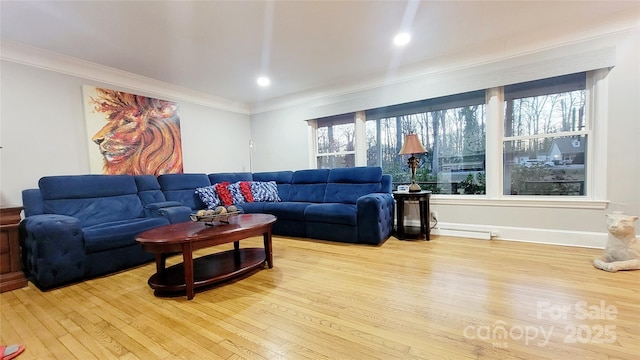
(224, 194)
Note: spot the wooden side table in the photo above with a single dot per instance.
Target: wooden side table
(11, 275)
(402, 231)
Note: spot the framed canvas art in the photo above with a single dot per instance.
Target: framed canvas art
(131, 134)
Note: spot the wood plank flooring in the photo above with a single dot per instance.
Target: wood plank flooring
(450, 298)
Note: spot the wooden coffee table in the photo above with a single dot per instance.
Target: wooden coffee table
(210, 269)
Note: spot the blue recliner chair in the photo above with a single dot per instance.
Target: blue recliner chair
(83, 226)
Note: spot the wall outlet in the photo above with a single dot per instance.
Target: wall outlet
(434, 216)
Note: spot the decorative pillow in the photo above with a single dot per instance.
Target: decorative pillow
(236, 194)
(209, 196)
(223, 193)
(245, 189)
(264, 191)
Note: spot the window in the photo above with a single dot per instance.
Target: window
(540, 135)
(545, 137)
(335, 138)
(452, 130)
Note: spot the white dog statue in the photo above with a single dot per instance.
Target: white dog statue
(622, 251)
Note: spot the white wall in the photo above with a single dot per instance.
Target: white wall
(577, 226)
(42, 133)
(43, 130)
(281, 141)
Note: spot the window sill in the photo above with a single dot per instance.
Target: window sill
(520, 201)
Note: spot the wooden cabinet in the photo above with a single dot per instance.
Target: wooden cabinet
(11, 275)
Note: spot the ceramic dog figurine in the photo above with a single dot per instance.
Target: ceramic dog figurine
(622, 251)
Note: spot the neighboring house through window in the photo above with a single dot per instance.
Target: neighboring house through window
(545, 137)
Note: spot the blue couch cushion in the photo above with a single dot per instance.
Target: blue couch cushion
(357, 175)
(252, 207)
(93, 199)
(282, 179)
(309, 185)
(286, 210)
(32, 202)
(113, 235)
(230, 177)
(149, 189)
(332, 214)
(147, 182)
(386, 183)
(311, 176)
(84, 186)
(181, 188)
(346, 185)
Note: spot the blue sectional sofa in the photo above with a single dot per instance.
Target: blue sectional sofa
(352, 205)
(83, 226)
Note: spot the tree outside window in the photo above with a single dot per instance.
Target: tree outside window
(335, 139)
(452, 129)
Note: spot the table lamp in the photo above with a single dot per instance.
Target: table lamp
(412, 146)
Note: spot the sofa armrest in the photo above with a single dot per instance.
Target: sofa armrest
(53, 249)
(173, 211)
(375, 217)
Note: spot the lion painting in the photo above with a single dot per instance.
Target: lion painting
(142, 134)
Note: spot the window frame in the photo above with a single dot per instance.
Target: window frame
(548, 86)
(596, 110)
(427, 108)
(332, 121)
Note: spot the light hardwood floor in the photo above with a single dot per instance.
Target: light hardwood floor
(450, 298)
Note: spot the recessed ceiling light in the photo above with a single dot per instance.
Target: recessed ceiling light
(263, 81)
(402, 39)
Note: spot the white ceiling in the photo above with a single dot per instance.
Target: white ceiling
(220, 47)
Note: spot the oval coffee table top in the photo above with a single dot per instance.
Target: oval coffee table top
(193, 231)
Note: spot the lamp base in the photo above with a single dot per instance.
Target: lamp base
(414, 187)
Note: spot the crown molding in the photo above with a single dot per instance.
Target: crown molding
(43, 59)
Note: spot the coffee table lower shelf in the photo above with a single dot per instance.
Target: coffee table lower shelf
(208, 270)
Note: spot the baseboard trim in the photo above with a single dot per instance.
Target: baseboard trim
(482, 235)
(542, 236)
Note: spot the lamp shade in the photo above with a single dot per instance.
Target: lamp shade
(412, 145)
